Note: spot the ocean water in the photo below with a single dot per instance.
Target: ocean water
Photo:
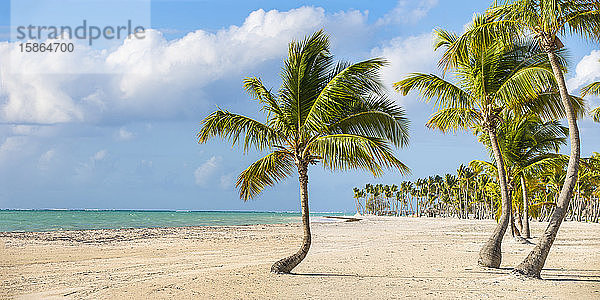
(50, 220)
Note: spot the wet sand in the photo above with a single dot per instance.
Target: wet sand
(374, 258)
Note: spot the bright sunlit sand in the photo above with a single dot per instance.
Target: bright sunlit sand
(376, 258)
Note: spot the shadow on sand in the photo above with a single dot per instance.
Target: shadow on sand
(547, 275)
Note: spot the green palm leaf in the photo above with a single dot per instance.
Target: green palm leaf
(348, 151)
(264, 172)
(231, 126)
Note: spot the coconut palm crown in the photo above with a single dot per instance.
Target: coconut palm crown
(334, 114)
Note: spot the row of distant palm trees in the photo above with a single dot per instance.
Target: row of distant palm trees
(508, 63)
(473, 192)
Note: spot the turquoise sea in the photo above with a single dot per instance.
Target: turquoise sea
(49, 220)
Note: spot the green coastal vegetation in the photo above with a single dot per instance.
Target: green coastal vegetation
(501, 79)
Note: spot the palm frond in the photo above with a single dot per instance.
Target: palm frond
(263, 173)
(548, 105)
(431, 86)
(377, 116)
(591, 89)
(350, 151)
(232, 126)
(487, 166)
(351, 84)
(527, 83)
(596, 114)
(585, 22)
(304, 74)
(453, 119)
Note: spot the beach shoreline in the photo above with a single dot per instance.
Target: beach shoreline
(376, 257)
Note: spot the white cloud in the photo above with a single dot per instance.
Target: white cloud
(124, 135)
(98, 165)
(347, 27)
(407, 55)
(148, 78)
(12, 147)
(586, 72)
(46, 159)
(407, 12)
(226, 181)
(100, 155)
(204, 172)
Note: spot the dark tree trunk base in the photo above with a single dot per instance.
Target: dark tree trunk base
(490, 256)
(286, 265)
(526, 273)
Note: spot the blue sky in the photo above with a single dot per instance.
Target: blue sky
(115, 127)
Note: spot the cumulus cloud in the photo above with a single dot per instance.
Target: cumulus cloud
(12, 147)
(348, 27)
(100, 155)
(407, 55)
(142, 78)
(226, 181)
(407, 12)
(99, 164)
(586, 72)
(205, 172)
(124, 135)
(46, 159)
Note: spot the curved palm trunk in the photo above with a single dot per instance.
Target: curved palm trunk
(491, 253)
(286, 265)
(534, 262)
(526, 233)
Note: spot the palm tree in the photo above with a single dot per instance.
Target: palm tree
(405, 187)
(490, 77)
(334, 114)
(358, 194)
(465, 175)
(449, 186)
(548, 20)
(526, 143)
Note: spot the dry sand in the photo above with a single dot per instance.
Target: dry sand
(375, 258)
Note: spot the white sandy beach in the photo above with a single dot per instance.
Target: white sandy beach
(376, 258)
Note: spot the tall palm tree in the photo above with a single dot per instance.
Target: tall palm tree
(490, 77)
(334, 114)
(548, 20)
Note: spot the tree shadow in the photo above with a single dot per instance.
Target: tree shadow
(548, 274)
(547, 277)
(364, 276)
(570, 279)
(569, 270)
(325, 275)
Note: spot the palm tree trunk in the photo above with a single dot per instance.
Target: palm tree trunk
(286, 265)
(513, 229)
(534, 262)
(526, 233)
(491, 253)
(467, 201)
